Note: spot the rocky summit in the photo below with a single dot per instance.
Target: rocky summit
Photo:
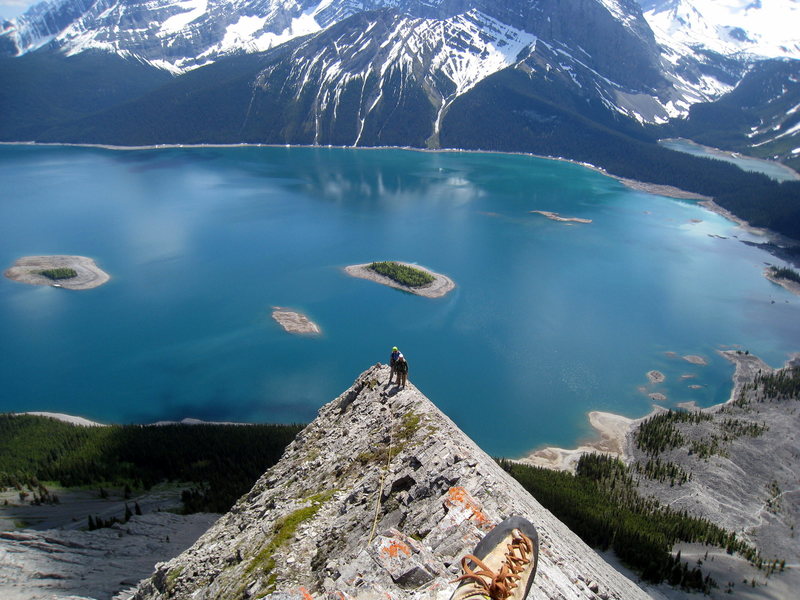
(379, 497)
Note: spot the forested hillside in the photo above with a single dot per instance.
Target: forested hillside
(222, 460)
(601, 504)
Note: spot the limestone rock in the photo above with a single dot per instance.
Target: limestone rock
(64, 564)
(379, 497)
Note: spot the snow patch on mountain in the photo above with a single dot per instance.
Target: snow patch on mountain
(622, 14)
(447, 57)
(195, 10)
(241, 35)
(238, 34)
(474, 47)
(758, 28)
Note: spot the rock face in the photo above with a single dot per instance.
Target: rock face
(379, 497)
(61, 564)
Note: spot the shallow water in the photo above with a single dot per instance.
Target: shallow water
(770, 168)
(548, 321)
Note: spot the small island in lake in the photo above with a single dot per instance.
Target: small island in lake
(788, 279)
(71, 272)
(656, 376)
(404, 276)
(691, 358)
(294, 322)
(696, 360)
(556, 217)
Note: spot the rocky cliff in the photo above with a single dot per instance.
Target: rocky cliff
(379, 497)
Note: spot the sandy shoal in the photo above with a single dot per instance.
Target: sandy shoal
(553, 216)
(89, 275)
(294, 322)
(612, 431)
(440, 286)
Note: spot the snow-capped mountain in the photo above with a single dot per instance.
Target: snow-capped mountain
(604, 46)
(173, 35)
(184, 35)
(354, 72)
(746, 28)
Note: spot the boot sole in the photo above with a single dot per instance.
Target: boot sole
(496, 535)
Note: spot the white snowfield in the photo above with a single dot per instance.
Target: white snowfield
(762, 28)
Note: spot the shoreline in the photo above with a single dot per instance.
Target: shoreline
(84, 422)
(614, 432)
(612, 437)
(787, 284)
(440, 286)
(88, 274)
(660, 189)
(729, 156)
(64, 418)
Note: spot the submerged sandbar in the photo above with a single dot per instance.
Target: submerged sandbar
(553, 216)
(440, 285)
(294, 322)
(87, 274)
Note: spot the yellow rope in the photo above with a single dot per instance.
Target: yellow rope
(383, 479)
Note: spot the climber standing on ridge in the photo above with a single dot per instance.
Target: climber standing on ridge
(401, 366)
(393, 364)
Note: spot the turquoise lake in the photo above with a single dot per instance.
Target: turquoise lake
(548, 321)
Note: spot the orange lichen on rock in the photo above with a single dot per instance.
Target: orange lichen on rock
(306, 595)
(395, 547)
(459, 497)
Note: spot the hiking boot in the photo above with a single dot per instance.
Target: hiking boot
(503, 565)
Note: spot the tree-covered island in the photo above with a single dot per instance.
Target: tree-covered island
(784, 277)
(72, 272)
(404, 276)
(59, 273)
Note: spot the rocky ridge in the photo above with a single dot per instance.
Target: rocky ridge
(379, 497)
(743, 460)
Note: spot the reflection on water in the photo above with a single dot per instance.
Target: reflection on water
(548, 321)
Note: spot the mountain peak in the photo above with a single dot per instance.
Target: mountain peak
(381, 495)
(756, 28)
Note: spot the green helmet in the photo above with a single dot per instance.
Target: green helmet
(394, 349)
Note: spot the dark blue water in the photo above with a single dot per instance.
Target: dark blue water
(548, 321)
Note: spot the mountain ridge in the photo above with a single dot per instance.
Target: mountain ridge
(382, 493)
